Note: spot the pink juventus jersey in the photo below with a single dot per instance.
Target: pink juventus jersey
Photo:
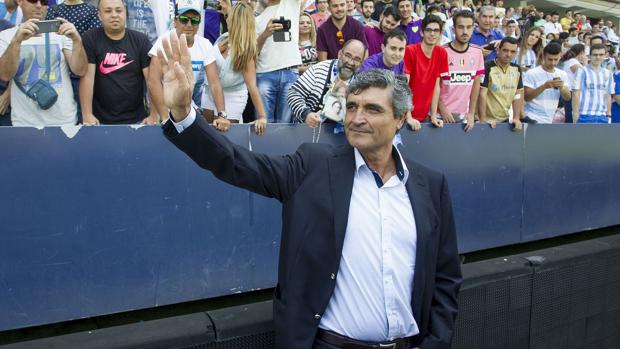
(464, 68)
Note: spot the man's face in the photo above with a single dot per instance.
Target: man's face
(349, 60)
(387, 23)
(350, 5)
(370, 123)
(338, 8)
(511, 28)
(431, 34)
(394, 51)
(405, 9)
(597, 56)
(551, 61)
(486, 19)
(463, 29)
(188, 29)
(368, 7)
(29, 10)
(499, 3)
(323, 7)
(569, 14)
(507, 52)
(555, 18)
(595, 28)
(112, 14)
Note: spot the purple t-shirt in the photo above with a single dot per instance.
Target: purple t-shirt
(374, 37)
(327, 40)
(376, 61)
(413, 30)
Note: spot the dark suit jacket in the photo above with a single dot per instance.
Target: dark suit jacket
(314, 185)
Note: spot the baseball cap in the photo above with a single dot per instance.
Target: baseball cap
(189, 5)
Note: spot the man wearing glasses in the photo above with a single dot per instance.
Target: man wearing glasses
(426, 64)
(203, 55)
(112, 91)
(23, 60)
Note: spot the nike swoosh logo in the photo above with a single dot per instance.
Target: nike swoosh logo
(108, 70)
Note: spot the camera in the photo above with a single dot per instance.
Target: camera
(283, 34)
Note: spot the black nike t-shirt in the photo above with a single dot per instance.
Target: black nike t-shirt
(118, 92)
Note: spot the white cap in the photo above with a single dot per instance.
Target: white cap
(189, 5)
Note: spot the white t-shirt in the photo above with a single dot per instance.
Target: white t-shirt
(31, 67)
(543, 107)
(279, 55)
(202, 53)
(551, 27)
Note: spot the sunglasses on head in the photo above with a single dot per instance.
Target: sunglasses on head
(43, 2)
(184, 19)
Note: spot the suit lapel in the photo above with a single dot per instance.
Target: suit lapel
(341, 171)
(420, 199)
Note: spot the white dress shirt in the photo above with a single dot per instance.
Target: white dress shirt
(374, 286)
(372, 298)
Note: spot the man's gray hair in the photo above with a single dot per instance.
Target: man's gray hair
(383, 78)
(486, 8)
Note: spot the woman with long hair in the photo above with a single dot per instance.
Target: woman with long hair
(307, 42)
(573, 60)
(236, 60)
(529, 54)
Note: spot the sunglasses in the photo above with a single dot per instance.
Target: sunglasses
(184, 19)
(43, 2)
(340, 38)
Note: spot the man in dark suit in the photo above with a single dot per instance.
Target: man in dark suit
(368, 257)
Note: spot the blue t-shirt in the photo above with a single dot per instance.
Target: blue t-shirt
(615, 108)
(477, 38)
(14, 18)
(140, 18)
(376, 61)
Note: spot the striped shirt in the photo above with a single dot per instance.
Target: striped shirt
(528, 61)
(304, 97)
(594, 86)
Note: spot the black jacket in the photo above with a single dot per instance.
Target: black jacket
(314, 185)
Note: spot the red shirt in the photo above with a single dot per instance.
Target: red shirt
(423, 72)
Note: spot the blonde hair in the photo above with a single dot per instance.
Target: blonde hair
(312, 28)
(242, 36)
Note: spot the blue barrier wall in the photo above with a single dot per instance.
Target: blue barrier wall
(117, 219)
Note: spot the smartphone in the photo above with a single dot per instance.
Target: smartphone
(48, 26)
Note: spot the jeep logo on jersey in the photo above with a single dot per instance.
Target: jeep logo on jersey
(461, 78)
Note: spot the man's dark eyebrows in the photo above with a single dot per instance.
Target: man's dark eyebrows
(374, 106)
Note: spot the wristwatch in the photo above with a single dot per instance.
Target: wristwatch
(222, 114)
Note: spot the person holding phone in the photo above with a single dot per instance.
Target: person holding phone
(544, 85)
(23, 57)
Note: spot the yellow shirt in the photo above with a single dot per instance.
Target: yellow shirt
(502, 87)
(566, 22)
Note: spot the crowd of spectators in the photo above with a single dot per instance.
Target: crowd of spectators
(290, 61)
